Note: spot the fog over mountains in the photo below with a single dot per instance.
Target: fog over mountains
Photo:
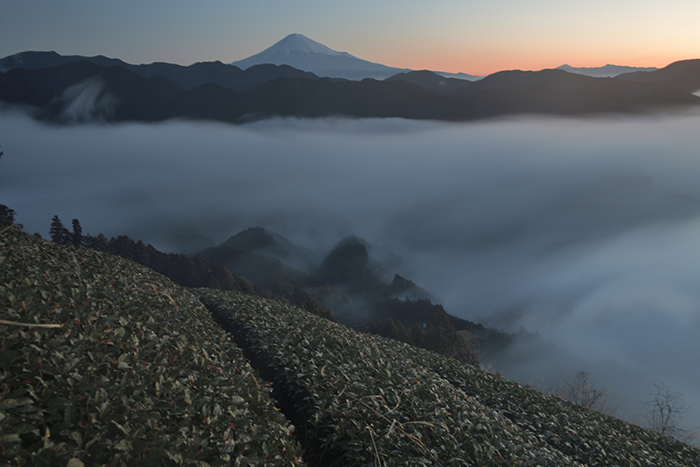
(583, 229)
(580, 222)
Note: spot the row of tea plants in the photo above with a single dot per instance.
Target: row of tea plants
(368, 400)
(104, 362)
(585, 435)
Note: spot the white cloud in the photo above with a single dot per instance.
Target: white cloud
(88, 101)
(588, 227)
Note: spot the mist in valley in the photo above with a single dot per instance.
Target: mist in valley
(586, 230)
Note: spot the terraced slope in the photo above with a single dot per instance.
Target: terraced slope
(366, 400)
(113, 364)
(131, 370)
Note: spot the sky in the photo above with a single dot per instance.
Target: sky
(476, 37)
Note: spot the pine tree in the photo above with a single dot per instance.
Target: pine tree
(57, 232)
(77, 236)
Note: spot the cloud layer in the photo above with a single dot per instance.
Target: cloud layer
(584, 229)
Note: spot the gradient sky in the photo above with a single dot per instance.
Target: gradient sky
(476, 37)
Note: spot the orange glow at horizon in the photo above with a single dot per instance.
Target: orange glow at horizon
(482, 63)
(483, 38)
(476, 37)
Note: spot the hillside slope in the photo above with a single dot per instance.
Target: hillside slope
(139, 374)
(135, 372)
(367, 400)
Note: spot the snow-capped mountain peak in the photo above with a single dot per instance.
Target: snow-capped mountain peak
(302, 53)
(299, 44)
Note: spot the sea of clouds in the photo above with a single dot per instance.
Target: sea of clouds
(586, 230)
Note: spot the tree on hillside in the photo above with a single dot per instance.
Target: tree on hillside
(578, 389)
(58, 233)
(96, 243)
(7, 215)
(664, 413)
(77, 236)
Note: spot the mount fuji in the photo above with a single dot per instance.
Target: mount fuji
(302, 53)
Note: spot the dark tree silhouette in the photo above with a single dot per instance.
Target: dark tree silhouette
(77, 235)
(7, 215)
(58, 233)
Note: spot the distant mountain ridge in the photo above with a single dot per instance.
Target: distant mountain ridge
(607, 71)
(683, 74)
(187, 77)
(82, 89)
(430, 81)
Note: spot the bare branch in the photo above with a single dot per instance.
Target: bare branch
(664, 413)
(578, 389)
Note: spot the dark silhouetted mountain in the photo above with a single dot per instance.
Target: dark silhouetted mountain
(663, 74)
(607, 71)
(265, 242)
(462, 76)
(430, 81)
(227, 76)
(305, 54)
(347, 261)
(258, 74)
(82, 91)
(350, 268)
(346, 281)
(260, 240)
(187, 77)
(269, 274)
(256, 255)
(407, 289)
(682, 76)
(36, 60)
(555, 80)
(558, 92)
